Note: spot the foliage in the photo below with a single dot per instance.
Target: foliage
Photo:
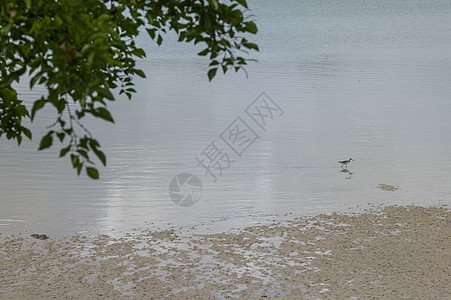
(82, 50)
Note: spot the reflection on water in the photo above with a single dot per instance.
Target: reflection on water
(347, 173)
(371, 82)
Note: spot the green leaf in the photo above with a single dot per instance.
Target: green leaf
(75, 160)
(35, 79)
(203, 52)
(251, 46)
(100, 155)
(106, 93)
(60, 105)
(140, 73)
(90, 58)
(37, 106)
(83, 153)
(159, 40)
(79, 167)
(212, 73)
(242, 2)
(104, 114)
(251, 27)
(27, 132)
(151, 33)
(140, 53)
(62, 122)
(46, 141)
(42, 80)
(93, 143)
(92, 172)
(61, 136)
(85, 48)
(64, 151)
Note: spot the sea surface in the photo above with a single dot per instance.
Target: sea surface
(364, 79)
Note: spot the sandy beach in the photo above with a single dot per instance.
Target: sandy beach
(390, 252)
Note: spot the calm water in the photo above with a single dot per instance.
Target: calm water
(369, 80)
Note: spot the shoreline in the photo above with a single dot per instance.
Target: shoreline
(387, 252)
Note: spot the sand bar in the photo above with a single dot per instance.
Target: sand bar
(392, 252)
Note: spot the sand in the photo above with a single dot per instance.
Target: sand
(386, 253)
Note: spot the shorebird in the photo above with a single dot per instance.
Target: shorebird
(345, 162)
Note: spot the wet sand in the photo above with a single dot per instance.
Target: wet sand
(387, 187)
(388, 252)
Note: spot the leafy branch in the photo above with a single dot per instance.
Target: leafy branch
(82, 51)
